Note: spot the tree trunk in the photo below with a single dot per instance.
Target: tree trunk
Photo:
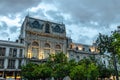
(115, 66)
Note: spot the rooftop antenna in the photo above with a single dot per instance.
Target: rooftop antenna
(28, 13)
(62, 20)
(8, 39)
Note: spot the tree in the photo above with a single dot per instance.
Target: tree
(34, 71)
(92, 71)
(27, 71)
(104, 71)
(78, 73)
(59, 64)
(60, 71)
(42, 71)
(109, 44)
(56, 58)
(86, 69)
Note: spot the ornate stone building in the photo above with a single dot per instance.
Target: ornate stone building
(42, 38)
(38, 39)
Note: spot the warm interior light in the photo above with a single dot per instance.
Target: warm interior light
(92, 49)
(80, 47)
(29, 55)
(41, 56)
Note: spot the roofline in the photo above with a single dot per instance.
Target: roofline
(44, 20)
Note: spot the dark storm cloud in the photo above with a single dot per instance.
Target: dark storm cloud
(3, 26)
(102, 11)
(14, 6)
(88, 14)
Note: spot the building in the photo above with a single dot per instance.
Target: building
(38, 39)
(11, 58)
(79, 51)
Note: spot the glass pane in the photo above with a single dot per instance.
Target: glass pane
(35, 52)
(46, 53)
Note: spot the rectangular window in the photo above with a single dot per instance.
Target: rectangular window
(13, 52)
(1, 63)
(11, 64)
(46, 53)
(35, 52)
(2, 51)
(10, 52)
(21, 52)
(20, 62)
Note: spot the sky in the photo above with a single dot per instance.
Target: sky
(84, 19)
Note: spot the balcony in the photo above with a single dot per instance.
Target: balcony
(11, 67)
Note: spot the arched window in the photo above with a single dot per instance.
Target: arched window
(57, 47)
(46, 50)
(77, 48)
(36, 24)
(47, 28)
(35, 50)
(83, 49)
(71, 46)
(47, 45)
(35, 44)
(89, 50)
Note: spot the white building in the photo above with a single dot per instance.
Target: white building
(79, 51)
(11, 58)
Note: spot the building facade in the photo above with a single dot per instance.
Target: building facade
(38, 39)
(79, 51)
(11, 59)
(43, 38)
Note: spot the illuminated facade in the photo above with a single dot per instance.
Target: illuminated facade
(38, 39)
(79, 51)
(43, 38)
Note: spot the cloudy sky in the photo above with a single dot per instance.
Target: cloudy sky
(84, 19)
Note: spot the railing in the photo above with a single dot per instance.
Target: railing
(11, 67)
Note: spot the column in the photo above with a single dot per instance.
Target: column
(16, 63)
(18, 52)
(7, 51)
(5, 63)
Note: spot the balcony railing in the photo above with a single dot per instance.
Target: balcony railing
(11, 67)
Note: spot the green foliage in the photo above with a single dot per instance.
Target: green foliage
(86, 69)
(33, 71)
(59, 58)
(59, 65)
(110, 44)
(105, 71)
(78, 73)
(60, 71)
(104, 43)
(116, 42)
(92, 71)
(27, 71)
(43, 71)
